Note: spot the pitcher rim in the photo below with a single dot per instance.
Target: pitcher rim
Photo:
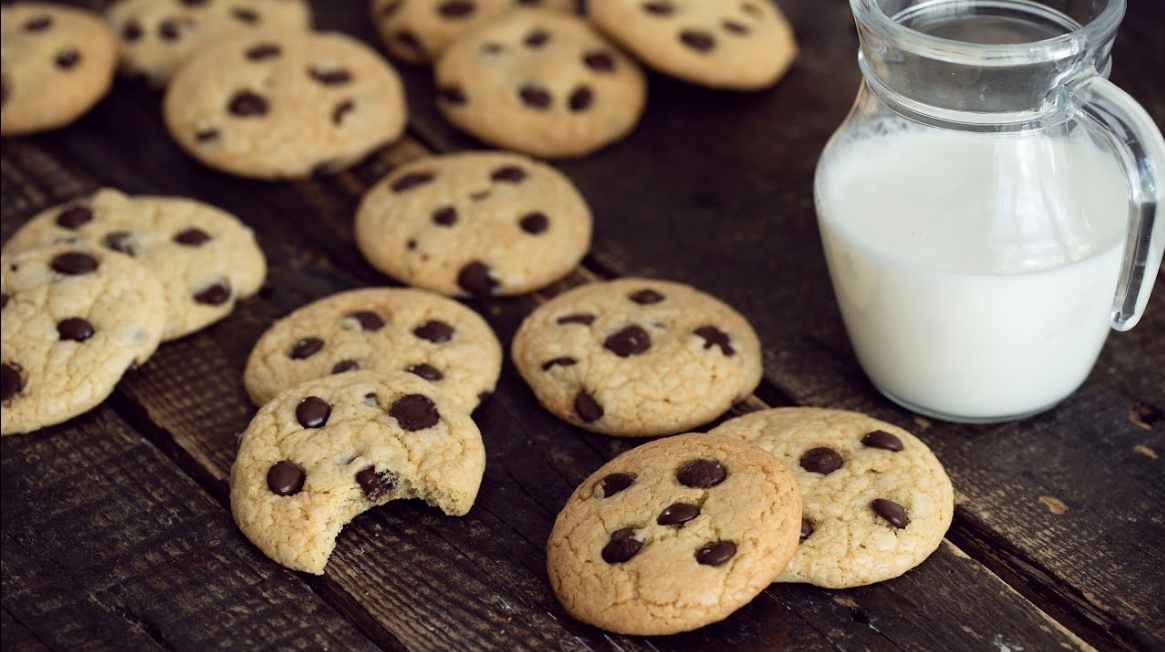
(1099, 30)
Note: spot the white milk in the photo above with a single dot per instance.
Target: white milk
(975, 272)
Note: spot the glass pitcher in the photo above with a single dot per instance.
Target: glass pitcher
(989, 209)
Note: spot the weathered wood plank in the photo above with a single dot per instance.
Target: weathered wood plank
(107, 546)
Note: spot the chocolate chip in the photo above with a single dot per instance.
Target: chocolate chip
(131, 31)
(369, 321)
(894, 513)
(882, 439)
(192, 237)
(508, 174)
(414, 412)
(169, 30)
(613, 484)
(445, 216)
(558, 362)
(371, 399)
(698, 40)
(75, 329)
(10, 382)
(285, 478)
(194, 3)
(534, 96)
(475, 278)
(599, 61)
(426, 371)
(587, 408)
(734, 27)
(580, 99)
(66, 59)
(622, 546)
(335, 77)
(806, 528)
(206, 135)
(715, 337)
(3, 300)
(435, 331)
(577, 318)
(821, 460)
(410, 40)
(313, 412)
(263, 51)
(411, 180)
(456, 8)
(375, 484)
(74, 216)
(701, 474)
(535, 223)
(245, 15)
(344, 366)
(38, 23)
(715, 554)
(678, 514)
(247, 104)
(120, 241)
(629, 341)
(452, 95)
(411, 244)
(305, 348)
(342, 109)
(645, 297)
(658, 8)
(537, 38)
(74, 263)
(215, 294)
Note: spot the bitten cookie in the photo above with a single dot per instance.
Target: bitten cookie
(386, 329)
(157, 36)
(417, 31)
(74, 319)
(877, 501)
(56, 61)
(284, 104)
(637, 357)
(674, 535)
(205, 258)
(737, 45)
(325, 451)
(475, 224)
(540, 82)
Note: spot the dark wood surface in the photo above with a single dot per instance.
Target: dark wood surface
(115, 528)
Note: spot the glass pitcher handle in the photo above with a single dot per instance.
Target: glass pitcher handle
(1129, 130)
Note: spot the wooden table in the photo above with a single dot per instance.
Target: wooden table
(116, 532)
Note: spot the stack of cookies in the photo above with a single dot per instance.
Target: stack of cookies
(91, 288)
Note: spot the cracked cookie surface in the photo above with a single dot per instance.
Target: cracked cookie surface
(637, 357)
(56, 62)
(386, 329)
(74, 319)
(205, 258)
(325, 451)
(742, 45)
(158, 36)
(474, 224)
(674, 535)
(877, 500)
(540, 82)
(276, 104)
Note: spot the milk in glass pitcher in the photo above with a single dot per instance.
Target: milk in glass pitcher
(990, 207)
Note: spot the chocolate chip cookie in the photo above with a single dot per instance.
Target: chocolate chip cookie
(388, 329)
(877, 501)
(417, 31)
(157, 36)
(277, 104)
(325, 451)
(742, 45)
(56, 62)
(540, 82)
(637, 357)
(74, 319)
(474, 224)
(674, 535)
(205, 258)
